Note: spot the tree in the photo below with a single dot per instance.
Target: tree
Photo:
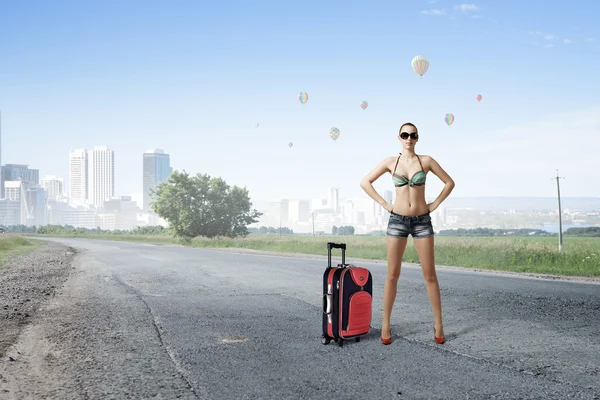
(203, 206)
(342, 230)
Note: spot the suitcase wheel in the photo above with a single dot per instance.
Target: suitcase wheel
(358, 339)
(341, 342)
(325, 340)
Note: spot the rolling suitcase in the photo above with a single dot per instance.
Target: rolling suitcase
(347, 299)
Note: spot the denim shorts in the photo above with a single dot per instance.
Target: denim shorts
(419, 226)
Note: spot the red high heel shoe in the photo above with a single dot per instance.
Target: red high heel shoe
(388, 340)
(439, 340)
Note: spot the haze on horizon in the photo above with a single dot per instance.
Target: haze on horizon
(194, 79)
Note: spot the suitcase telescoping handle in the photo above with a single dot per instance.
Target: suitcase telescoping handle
(330, 246)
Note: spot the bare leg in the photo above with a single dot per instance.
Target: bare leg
(424, 247)
(395, 252)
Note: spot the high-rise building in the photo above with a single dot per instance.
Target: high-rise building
(54, 187)
(333, 199)
(278, 213)
(101, 175)
(78, 176)
(35, 200)
(299, 211)
(156, 168)
(13, 190)
(20, 172)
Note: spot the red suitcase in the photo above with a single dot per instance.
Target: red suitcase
(347, 299)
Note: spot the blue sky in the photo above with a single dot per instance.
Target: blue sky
(193, 78)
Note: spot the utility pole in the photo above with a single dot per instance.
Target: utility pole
(1, 177)
(279, 219)
(313, 218)
(560, 239)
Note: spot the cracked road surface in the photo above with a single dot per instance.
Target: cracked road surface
(150, 321)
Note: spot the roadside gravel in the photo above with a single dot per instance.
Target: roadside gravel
(26, 282)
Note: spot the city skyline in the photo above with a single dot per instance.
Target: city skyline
(321, 214)
(229, 106)
(332, 208)
(164, 169)
(35, 174)
(90, 178)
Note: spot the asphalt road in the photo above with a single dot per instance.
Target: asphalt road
(151, 321)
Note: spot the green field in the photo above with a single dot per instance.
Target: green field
(13, 245)
(580, 255)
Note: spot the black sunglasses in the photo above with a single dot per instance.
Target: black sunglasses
(405, 135)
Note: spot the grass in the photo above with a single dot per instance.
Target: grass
(580, 255)
(14, 245)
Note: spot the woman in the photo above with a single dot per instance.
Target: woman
(409, 214)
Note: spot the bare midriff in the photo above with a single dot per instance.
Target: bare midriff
(410, 201)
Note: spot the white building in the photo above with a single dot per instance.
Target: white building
(107, 222)
(78, 176)
(333, 199)
(119, 213)
(318, 204)
(438, 218)
(299, 211)
(54, 187)
(145, 219)
(358, 207)
(358, 218)
(101, 175)
(14, 190)
(80, 216)
(278, 213)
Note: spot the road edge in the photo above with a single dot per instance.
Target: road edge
(352, 260)
(493, 272)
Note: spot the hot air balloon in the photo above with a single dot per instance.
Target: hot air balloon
(364, 105)
(449, 118)
(290, 144)
(302, 96)
(334, 133)
(420, 64)
(256, 125)
(479, 97)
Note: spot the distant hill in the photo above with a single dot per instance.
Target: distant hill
(523, 203)
(505, 203)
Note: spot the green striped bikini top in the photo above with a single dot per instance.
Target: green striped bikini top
(418, 178)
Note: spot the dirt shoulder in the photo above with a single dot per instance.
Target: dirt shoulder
(26, 282)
